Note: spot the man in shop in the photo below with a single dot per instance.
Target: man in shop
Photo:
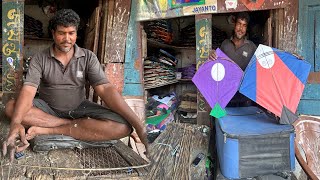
(61, 72)
(240, 50)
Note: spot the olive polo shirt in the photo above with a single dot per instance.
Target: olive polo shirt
(241, 55)
(63, 88)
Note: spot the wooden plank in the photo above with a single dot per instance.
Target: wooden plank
(278, 29)
(203, 46)
(268, 31)
(309, 107)
(103, 29)
(203, 118)
(12, 43)
(118, 18)
(133, 61)
(132, 89)
(317, 41)
(314, 77)
(144, 45)
(91, 42)
(92, 31)
(310, 100)
(308, 47)
(132, 158)
(133, 71)
(134, 51)
(108, 31)
(307, 35)
(288, 38)
(311, 91)
(115, 72)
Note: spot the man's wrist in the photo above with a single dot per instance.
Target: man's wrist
(14, 123)
(141, 128)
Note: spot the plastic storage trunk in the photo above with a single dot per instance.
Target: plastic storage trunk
(250, 143)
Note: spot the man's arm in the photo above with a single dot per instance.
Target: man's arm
(23, 103)
(22, 106)
(115, 102)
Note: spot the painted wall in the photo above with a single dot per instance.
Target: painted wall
(133, 62)
(309, 48)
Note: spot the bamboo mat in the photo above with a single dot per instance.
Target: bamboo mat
(174, 150)
(116, 162)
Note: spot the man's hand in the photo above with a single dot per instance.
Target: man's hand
(143, 137)
(16, 131)
(298, 56)
(212, 54)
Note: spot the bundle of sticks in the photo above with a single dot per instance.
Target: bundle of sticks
(172, 153)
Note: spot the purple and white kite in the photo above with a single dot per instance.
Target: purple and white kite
(218, 81)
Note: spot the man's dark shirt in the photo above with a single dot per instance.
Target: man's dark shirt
(63, 88)
(241, 55)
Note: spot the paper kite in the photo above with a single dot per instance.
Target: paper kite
(218, 81)
(275, 80)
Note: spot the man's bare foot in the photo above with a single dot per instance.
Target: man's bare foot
(33, 131)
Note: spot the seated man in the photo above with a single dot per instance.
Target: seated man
(61, 72)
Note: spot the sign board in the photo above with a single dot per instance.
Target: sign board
(160, 9)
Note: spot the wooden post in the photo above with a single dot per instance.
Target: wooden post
(203, 46)
(12, 43)
(133, 67)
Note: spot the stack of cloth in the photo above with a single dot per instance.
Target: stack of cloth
(218, 36)
(159, 111)
(160, 31)
(188, 107)
(188, 71)
(32, 27)
(188, 36)
(159, 69)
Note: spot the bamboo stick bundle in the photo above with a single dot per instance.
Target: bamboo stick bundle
(182, 171)
(159, 153)
(172, 151)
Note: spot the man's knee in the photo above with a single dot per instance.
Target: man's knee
(9, 108)
(123, 129)
(127, 129)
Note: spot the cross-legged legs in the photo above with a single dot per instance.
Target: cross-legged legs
(87, 129)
